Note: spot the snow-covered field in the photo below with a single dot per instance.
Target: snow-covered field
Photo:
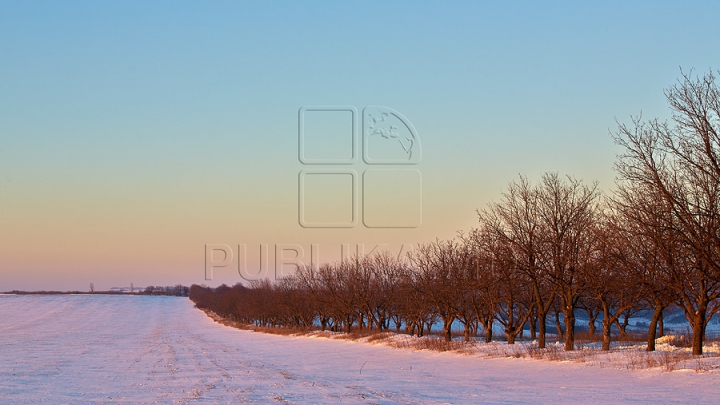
(131, 349)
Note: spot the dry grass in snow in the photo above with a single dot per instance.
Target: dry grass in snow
(623, 355)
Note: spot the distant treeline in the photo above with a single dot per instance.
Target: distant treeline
(67, 292)
(545, 250)
(176, 290)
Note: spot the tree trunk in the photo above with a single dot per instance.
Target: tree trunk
(606, 331)
(487, 324)
(466, 337)
(533, 327)
(541, 330)
(606, 324)
(657, 316)
(447, 332)
(569, 316)
(624, 325)
(592, 317)
(698, 327)
(558, 326)
(661, 326)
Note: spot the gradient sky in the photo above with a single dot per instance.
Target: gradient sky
(132, 134)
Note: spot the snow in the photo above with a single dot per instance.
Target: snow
(139, 349)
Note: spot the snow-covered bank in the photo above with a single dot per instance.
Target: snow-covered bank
(125, 349)
(625, 355)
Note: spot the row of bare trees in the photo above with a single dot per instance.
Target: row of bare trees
(550, 248)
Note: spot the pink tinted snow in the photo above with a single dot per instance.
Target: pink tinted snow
(129, 349)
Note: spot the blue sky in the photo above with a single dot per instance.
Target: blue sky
(134, 133)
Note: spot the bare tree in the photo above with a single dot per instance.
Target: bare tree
(567, 209)
(513, 293)
(440, 268)
(516, 220)
(654, 251)
(611, 279)
(483, 298)
(678, 165)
